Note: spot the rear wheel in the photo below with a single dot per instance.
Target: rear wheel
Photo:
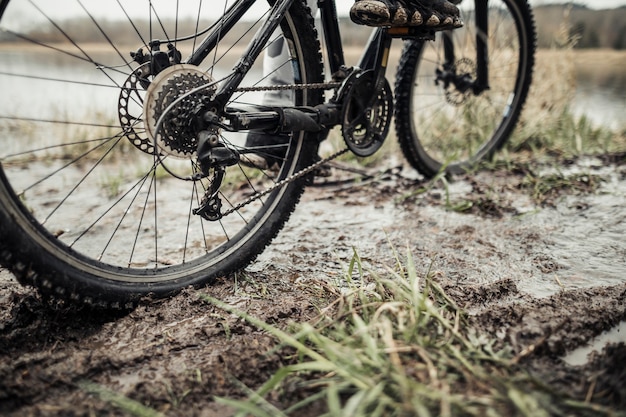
(96, 204)
(447, 118)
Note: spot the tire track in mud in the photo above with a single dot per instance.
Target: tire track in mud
(497, 259)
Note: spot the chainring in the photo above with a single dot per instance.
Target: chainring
(366, 119)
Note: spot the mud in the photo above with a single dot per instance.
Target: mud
(541, 270)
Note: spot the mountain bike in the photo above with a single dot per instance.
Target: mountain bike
(124, 166)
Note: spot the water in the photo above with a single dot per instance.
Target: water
(76, 85)
(601, 99)
(580, 356)
(585, 233)
(604, 106)
(30, 95)
(601, 87)
(58, 87)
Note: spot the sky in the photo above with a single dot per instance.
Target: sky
(64, 8)
(593, 4)
(596, 4)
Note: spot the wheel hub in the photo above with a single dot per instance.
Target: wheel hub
(459, 86)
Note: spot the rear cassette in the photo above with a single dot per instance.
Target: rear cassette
(177, 136)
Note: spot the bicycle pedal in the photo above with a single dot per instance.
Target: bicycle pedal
(411, 32)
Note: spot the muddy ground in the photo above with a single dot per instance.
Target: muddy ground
(535, 266)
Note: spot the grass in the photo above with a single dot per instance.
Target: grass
(548, 128)
(439, 178)
(544, 188)
(398, 346)
(562, 136)
(111, 184)
(129, 406)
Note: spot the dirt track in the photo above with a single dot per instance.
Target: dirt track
(545, 271)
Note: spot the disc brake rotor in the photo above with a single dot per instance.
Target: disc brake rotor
(464, 69)
(130, 108)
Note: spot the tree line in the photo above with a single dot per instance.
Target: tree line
(587, 28)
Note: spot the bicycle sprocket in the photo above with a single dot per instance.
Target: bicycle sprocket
(366, 118)
(176, 136)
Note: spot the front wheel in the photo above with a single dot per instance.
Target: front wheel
(97, 198)
(460, 96)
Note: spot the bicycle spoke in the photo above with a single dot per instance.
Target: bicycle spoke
(140, 223)
(106, 36)
(455, 118)
(132, 24)
(81, 181)
(139, 186)
(193, 48)
(100, 141)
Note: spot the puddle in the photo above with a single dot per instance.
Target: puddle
(580, 356)
(544, 250)
(583, 236)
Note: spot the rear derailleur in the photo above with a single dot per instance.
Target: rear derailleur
(213, 157)
(188, 130)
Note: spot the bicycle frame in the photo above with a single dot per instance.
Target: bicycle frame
(482, 53)
(374, 58)
(87, 213)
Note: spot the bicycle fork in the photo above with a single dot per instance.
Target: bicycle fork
(450, 72)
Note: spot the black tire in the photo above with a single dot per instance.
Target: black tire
(87, 212)
(442, 129)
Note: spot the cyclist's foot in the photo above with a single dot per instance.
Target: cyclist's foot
(268, 150)
(428, 14)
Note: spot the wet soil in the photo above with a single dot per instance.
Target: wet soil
(534, 253)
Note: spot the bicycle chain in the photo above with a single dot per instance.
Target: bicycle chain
(286, 181)
(311, 86)
(302, 172)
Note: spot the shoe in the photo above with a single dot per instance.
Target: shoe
(265, 150)
(428, 14)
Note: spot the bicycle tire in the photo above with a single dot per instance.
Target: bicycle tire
(106, 225)
(443, 129)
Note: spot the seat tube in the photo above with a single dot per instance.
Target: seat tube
(482, 46)
(332, 35)
(3, 5)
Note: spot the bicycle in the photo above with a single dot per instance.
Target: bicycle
(124, 171)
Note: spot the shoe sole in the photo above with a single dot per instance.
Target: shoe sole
(377, 14)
